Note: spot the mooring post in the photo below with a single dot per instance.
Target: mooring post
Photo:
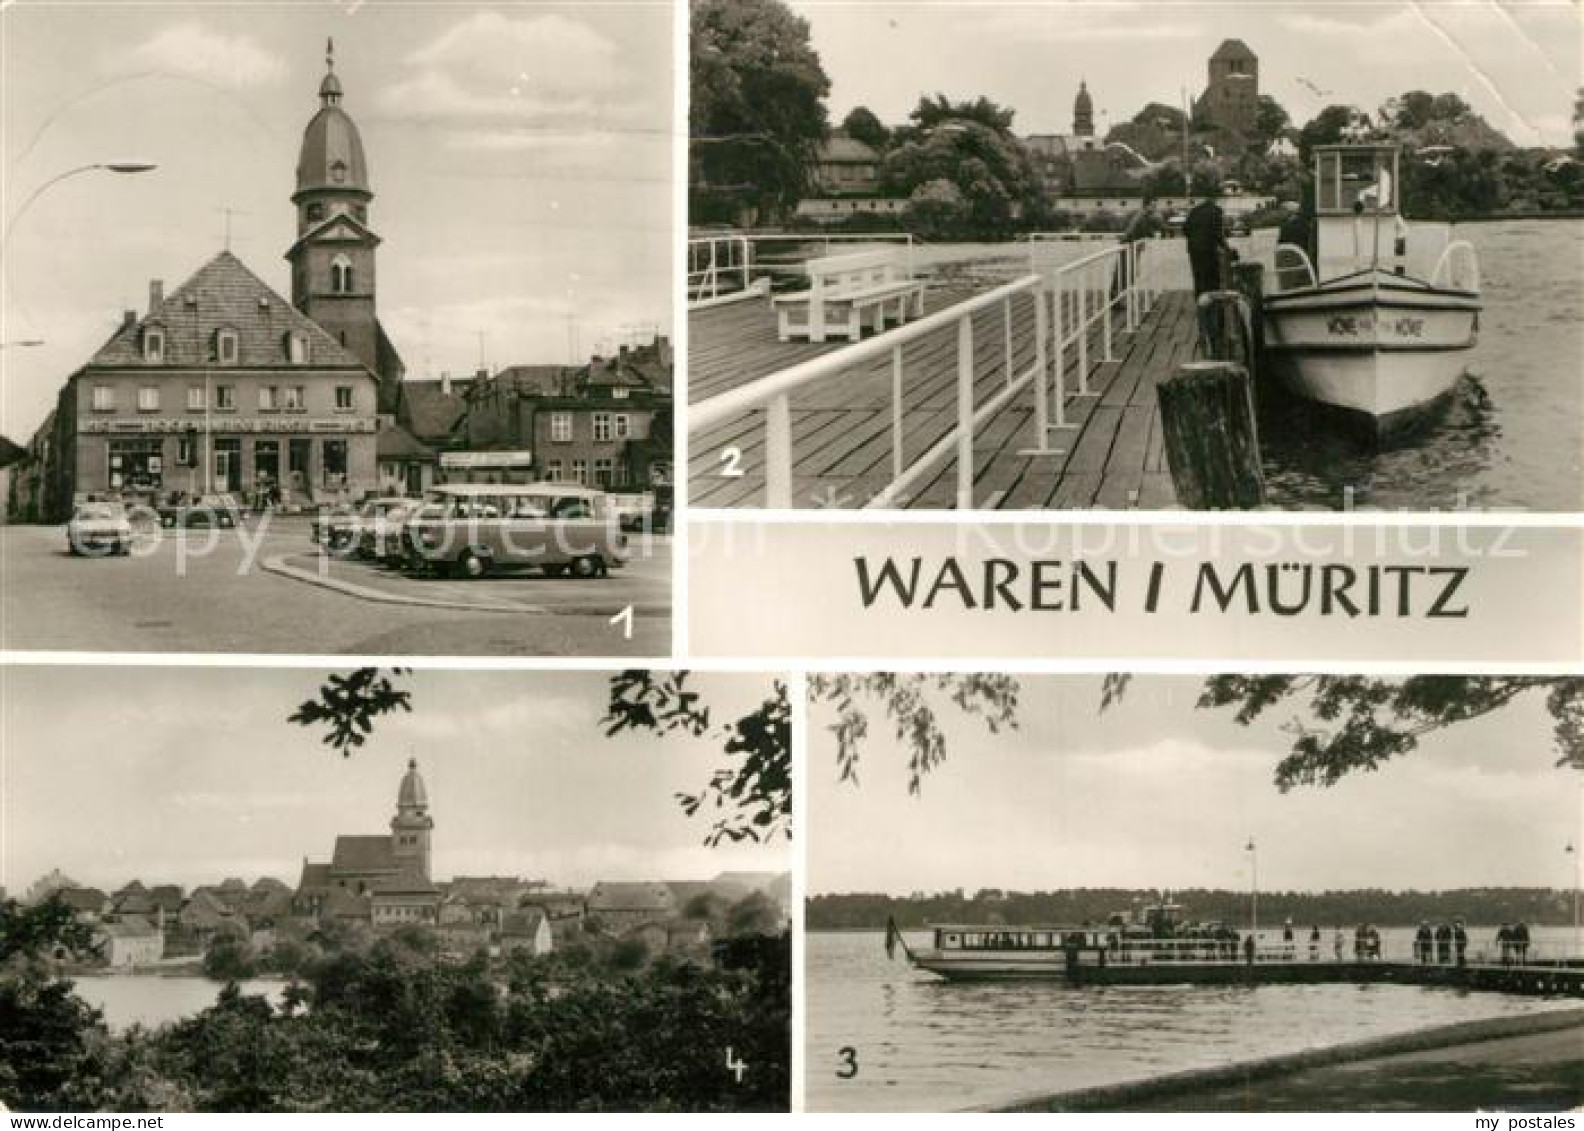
(1248, 279)
(1211, 437)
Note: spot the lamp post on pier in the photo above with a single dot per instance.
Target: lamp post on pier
(1253, 886)
(1578, 882)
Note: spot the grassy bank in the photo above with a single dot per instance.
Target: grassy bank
(1534, 1062)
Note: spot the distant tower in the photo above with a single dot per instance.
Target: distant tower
(1231, 100)
(412, 824)
(333, 259)
(1083, 112)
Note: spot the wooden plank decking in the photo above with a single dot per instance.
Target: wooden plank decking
(841, 428)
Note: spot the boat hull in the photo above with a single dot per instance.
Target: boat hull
(1380, 351)
(1054, 968)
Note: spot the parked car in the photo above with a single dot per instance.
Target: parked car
(343, 528)
(374, 535)
(199, 510)
(99, 530)
(472, 529)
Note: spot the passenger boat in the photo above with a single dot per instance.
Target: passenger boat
(1152, 945)
(1379, 325)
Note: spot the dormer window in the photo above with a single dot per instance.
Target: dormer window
(341, 275)
(226, 346)
(297, 348)
(338, 171)
(154, 345)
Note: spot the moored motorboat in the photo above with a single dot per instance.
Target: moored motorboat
(1377, 327)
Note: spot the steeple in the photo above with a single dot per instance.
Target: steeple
(412, 824)
(333, 258)
(1083, 111)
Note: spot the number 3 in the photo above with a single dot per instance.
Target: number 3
(849, 1063)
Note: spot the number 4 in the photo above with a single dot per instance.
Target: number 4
(735, 1066)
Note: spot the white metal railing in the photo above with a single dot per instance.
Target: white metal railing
(1074, 303)
(718, 265)
(1457, 268)
(1084, 295)
(774, 393)
(729, 263)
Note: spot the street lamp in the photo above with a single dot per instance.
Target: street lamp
(125, 168)
(1253, 886)
(1578, 882)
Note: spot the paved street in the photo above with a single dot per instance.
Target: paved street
(266, 590)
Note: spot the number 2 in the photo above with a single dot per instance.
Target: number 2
(849, 1063)
(731, 463)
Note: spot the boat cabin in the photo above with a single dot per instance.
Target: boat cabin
(981, 937)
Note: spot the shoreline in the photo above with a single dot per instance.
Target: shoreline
(1179, 1090)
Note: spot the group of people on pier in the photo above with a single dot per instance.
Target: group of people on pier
(1512, 943)
(1442, 944)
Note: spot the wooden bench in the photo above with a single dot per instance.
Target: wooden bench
(846, 290)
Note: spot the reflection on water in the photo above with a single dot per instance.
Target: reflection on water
(151, 1000)
(923, 1044)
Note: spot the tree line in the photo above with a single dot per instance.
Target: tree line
(1076, 906)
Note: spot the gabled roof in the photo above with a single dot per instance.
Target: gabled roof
(83, 899)
(533, 380)
(406, 882)
(363, 854)
(522, 924)
(362, 232)
(130, 928)
(624, 896)
(342, 904)
(315, 879)
(395, 442)
(840, 148)
(429, 411)
(225, 294)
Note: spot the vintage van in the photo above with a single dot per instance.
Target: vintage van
(472, 529)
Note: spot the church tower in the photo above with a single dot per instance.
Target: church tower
(332, 261)
(1083, 112)
(411, 825)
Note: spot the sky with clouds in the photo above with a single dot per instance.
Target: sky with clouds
(1518, 62)
(520, 156)
(192, 775)
(1156, 793)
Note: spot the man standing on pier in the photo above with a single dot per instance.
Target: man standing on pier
(1205, 229)
(1142, 225)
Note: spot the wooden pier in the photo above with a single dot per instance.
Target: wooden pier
(1551, 979)
(1112, 457)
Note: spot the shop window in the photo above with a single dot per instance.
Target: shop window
(335, 463)
(227, 347)
(148, 398)
(225, 398)
(561, 427)
(343, 398)
(137, 465)
(602, 426)
(103, 398)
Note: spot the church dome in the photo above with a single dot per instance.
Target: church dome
(332, 149)
(412, 794)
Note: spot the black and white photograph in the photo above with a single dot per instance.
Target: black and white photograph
(1211, 893)
(354, 314)
(1164, 255)
(282, 890)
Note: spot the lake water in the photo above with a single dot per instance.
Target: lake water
(1513, 437)
(151, 1000)
(923, 1044)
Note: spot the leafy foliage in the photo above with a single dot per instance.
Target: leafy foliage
(752, 798)
(348, 705)
(906, 701)
(756, 111)
(861, 124)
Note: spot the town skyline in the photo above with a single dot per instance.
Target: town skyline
(1512, 63)
(574, 808)
(1156, 794)
(517, 160)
